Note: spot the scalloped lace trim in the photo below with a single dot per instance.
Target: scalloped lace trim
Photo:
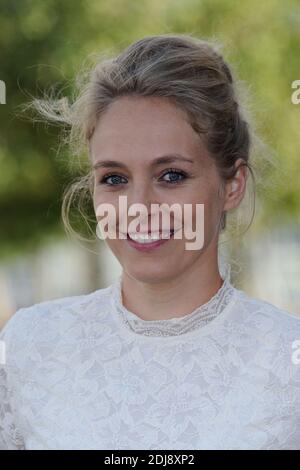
(175, 326)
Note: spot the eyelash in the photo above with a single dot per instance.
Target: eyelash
(170, 170)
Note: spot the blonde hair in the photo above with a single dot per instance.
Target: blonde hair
(189, 71)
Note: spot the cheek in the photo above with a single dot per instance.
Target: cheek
(101, 197)
(111, 203)
(96, 199)
(210, 199)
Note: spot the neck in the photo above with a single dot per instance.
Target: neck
(176, 296)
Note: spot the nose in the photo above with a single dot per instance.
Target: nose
(141, 193)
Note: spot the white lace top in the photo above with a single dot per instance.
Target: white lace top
(83, 372)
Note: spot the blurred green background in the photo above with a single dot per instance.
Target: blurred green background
(44, 43)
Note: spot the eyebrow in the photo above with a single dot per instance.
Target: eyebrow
(157, 161)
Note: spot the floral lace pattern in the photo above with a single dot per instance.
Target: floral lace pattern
(76, 377)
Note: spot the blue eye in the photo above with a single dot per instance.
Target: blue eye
(116, 179)
(175, 176)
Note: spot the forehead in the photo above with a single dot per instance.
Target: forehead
(150, 125)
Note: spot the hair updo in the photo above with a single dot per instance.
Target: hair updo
(189, 71)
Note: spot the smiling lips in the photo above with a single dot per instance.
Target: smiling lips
(150, 238)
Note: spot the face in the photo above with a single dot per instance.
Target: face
(133, 134)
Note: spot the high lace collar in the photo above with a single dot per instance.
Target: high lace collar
(199, 317)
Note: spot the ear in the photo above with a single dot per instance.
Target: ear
(235, 187)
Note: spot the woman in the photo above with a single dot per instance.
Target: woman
(171, 355)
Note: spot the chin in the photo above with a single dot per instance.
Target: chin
(150, 274)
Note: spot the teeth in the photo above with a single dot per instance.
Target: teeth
(146, 238)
